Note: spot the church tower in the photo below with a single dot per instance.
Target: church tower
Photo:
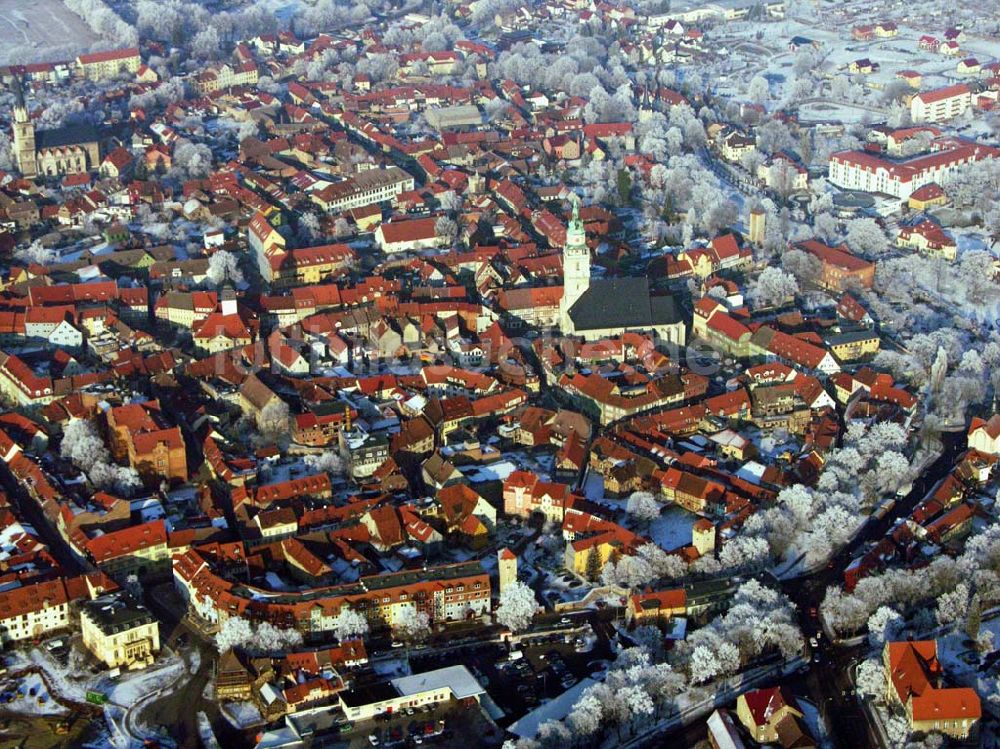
(24, 135)
(576, 267)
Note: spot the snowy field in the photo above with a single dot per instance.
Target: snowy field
(826, 111)
(40, 30)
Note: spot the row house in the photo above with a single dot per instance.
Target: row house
(450, 593)
(141, 550)
(795, 351)
(34, 611)
(724, 332)
(367, 188)
(102, 66)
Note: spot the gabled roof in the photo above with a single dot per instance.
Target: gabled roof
(764, 703)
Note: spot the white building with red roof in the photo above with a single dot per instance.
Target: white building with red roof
(99, 66)
(870, 172)
(941, 104)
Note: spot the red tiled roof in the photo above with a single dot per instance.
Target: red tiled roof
(127, 541)
(947, 92)
(947, 704)
(109, 55)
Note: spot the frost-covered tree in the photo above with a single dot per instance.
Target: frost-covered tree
(122, 479)
(104, 22)
(804, 266)
(826, 227)
(892, 471)
(773, 287)
(271, 639)
(193, 159)
(206, 44)
(517, 606)
(82, 445)
(235, 632)
(36, 253)
(870, 680)
(704, 665)
(309, 226)
(865, 236)
(446, 227)
(643, 508)
(342, 228)
(272, 419)
(953, 605)
(223, 266)
(328, 461)
(631, 571)
(883, 626)
(585, 717)
(758, 90)
(349, 624)
(897, 730)
(411, 626)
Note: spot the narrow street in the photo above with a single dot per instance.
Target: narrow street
(828, 680)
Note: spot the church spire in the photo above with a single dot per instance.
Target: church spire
(576, 266)
(20, 110)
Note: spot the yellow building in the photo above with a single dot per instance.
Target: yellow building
(927, 196)
(506, 568)
(914, 684)
(100, 66)
(655, 607)
(136, 550)
(226, 76)
(762, 711)
(119, 633)
(854, 345)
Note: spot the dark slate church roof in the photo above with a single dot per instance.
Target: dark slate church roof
(622, 303)
(65, 136)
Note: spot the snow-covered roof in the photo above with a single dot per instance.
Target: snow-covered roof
(458, 679)
(556, 709)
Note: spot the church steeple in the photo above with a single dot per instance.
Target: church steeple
(576, 265)
(24, 134)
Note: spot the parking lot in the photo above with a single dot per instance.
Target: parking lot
(446, 726)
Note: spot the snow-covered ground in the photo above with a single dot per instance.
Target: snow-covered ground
(32, 697)
(44, 30)
(961, 662)
(673, 528)
(72, 682)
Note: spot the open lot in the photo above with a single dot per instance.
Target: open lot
(40, 30)
(40, 732)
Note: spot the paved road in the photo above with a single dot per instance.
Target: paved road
(177, 709)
